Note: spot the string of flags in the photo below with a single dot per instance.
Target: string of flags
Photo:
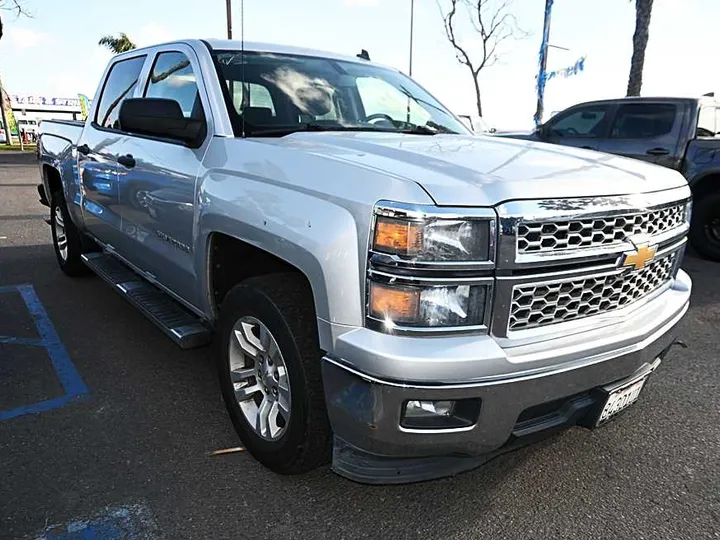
(576, 68)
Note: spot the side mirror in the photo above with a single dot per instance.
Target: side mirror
(542, 131)
(160, 118)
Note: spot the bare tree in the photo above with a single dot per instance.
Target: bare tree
(643, 11)
(15, 6)
(494, 23)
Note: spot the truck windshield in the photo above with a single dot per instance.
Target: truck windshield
(284, 93)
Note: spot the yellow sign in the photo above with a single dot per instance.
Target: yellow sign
(84, 105)
(639, 258)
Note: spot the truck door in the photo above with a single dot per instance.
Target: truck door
(98, 150)
(157, 179)
(647, 131)
(582, 126)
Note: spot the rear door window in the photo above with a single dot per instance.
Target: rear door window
(583, 122)
(119, 85)
(643, 120)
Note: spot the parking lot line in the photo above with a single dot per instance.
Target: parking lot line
(68, 376)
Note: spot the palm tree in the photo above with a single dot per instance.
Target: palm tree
(117, 45)
(643, 10)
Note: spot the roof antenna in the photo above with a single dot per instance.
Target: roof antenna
(364, 55)
(242, 59)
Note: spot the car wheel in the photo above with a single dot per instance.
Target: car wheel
(67, 240)
(268, 360)
(705, 226)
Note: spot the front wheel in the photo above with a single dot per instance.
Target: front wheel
(268, 360)
(705, 226)
(67, 240)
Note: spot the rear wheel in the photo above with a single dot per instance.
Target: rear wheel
(67, 240)
(268, 361)
(705, 226)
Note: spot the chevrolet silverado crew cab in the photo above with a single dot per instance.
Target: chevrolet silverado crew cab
(679, 133)
(384, 290)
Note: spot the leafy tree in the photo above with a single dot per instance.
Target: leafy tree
(643, 11)
(118, 44)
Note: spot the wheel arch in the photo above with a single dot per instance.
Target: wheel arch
(705, 183)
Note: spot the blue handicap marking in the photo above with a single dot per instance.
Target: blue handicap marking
(68, 376)
(130, 522)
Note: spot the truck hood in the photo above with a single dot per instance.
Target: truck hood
(484, 171)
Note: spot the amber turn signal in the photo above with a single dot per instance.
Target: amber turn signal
(394, 303)
(395, 236)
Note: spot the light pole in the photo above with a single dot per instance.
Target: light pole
(412, 15)
(228, 5)
(543, 63)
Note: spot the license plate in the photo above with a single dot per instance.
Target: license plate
(621, 398)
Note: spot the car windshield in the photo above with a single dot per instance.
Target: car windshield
(285, 93)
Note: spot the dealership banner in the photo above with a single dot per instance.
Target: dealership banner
(19, 102)
(12, 124)
(84, 105)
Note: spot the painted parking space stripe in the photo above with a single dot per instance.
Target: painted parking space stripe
(128, 522)
(49, 339)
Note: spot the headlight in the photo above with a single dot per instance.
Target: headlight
(434, 239)
(430, 268)
(430, 306)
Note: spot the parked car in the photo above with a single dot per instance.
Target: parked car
(384, 290)
(678, 133)
(27, 125)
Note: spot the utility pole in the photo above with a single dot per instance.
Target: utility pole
(228, 5)
(6, 125)
(543, 63)
(412, 15)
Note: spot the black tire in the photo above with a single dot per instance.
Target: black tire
(705, 226)
(284, 304)
(71, 264)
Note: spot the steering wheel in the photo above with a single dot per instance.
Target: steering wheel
(570, 131)
(379, 116)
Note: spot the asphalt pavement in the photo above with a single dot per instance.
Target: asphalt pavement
(107, 428)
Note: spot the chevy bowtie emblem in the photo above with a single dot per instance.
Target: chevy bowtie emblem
(640, 257)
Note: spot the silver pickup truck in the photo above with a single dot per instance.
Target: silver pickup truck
(383, 290)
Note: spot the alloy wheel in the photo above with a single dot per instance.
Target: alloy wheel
(260, 378)
(60, 236)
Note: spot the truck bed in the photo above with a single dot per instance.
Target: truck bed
(70, 130)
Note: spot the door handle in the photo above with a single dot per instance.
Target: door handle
(587, 147)
(84, 149)
(658, 152)
(127, 161)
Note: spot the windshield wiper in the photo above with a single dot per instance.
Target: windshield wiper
(419, 130)
(314, 126)
(308, 126)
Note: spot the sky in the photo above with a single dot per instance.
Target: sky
(55, 52)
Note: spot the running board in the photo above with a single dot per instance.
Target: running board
(179, 324)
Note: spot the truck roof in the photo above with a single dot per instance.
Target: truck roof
(640, 99)
(255, 46)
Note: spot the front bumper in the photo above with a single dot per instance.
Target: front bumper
(365, 409)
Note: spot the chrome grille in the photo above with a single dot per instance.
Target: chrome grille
(548, 236)
(535, 305)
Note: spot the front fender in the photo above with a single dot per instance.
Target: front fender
(314, 235)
